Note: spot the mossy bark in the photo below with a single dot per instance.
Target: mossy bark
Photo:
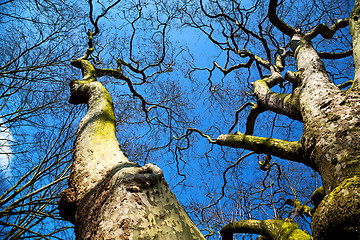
(110, 197)
(285, 229)
(330, 143)
(280, 148)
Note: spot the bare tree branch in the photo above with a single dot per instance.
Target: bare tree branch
(285, 104)
(325, 55)
(274, 229)
(279, 23)
(287, 150)
(325, 31)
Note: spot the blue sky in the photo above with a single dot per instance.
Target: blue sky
(203, 164)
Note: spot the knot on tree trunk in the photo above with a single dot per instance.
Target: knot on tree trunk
(67, 205)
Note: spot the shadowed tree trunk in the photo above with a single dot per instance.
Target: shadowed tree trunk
(110, 197)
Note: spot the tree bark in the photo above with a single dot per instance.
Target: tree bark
(285, 229)
(330, 142)
(110, 197)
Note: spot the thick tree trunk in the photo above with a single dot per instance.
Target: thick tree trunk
(330, 143)
(110, 197)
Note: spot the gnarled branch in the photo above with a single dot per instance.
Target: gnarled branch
(326, 55)
(279, 23)
(285, 104)
(250, 121)
(325, 31)
(274, 229)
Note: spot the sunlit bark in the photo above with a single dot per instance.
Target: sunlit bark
(330, 142)
(110, 197)
(285, 229)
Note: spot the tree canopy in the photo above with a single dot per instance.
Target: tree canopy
(248, 107)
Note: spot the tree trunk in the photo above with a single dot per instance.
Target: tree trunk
(330, 143)
(110, 197)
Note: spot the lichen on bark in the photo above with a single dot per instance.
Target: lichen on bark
(285, 229)
(110, 197)
(330, 142)
(280, 148)
(337, 216)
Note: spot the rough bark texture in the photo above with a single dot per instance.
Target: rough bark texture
(112, 198)
(108, 196)
(331, 138)
(354, 23)
(285, 229)
(283, 149)
(330, 143)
